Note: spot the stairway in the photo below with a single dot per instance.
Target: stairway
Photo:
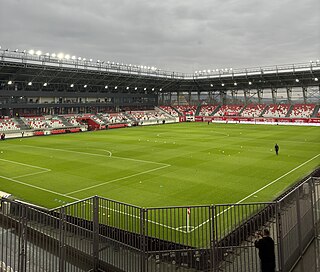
(64, 121)
(216, 110)
(264, 110)
(243, 108)
(315, 112)
(21, 123)
(289, 111)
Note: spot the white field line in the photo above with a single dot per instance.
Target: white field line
(37, 187)
(28, 165)
(98, 155)
(114, 180)
(31, 174)
(259, 190)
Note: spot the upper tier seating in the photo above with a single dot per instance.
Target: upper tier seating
(169, 110)
(8, 124)
(229, 110)
(186, 110)
(253, 110)
(302, 110)
(277, 110)
(207, 110)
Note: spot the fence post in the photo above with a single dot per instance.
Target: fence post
(279, 238)
(143, 213)
(62, 234)
(213, 238)
(23, 242)
(95, 233)
(297, 195)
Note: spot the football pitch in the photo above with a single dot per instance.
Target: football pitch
(167, 165)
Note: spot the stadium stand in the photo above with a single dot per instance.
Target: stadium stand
(36, 122)
(229, 110)
(8, 124)
(302, 110)
(277, 110)
(113, 118)
(147, 115)
(207, 110)
(253, 110)
(186, 110)
(169, 110)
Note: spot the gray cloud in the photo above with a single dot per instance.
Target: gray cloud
(180, 35)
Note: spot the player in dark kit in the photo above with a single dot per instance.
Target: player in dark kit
(265, 244)
(276, 148)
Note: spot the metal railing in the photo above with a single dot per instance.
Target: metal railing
(98, 234)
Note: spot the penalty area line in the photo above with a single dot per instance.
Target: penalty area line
(259, 190)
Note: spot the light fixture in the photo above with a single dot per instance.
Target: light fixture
(38, 53)
(73, 57)
(79, 58)
(16, 50)
(85, 86)
(90, 60)
(9, 82)
(127, 88)
(316, 79)
(31, 52)
(106, 87)
(136, 88)
(84, 59)
(60, 56)
(53, 55)
(211, 85)
(144, 89)
(152, 89)
(160, 89)
(208, 71)
(222, 84)
(45, 84)
(250, 83)
(116, 87)
(98, 61)
(48, 54)
(67, 56)
(297, 80)
(235, 84)
(72, 85)
(30, 83)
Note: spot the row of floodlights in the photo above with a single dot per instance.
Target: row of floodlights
(229, 70)
(62, 56)
(85, 86)
(250, 83)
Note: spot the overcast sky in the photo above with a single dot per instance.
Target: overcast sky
(175, 35)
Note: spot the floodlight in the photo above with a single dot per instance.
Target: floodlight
(106, 87)
(196, 72)
(222, 84)
(230, 69)
(30, 83)
(60, 56)
(16, 50)
(208, 71)
(48, 54)
(144, 89)
(67, 56)
(152, 89)
(108, 62)
(226, 69)
(84, 59)
(79, 58)
(136, 88)
(250, 83)
(317, 59)
(72, 85)
(73, 57)
(9, 82)
(45, 84)
(297, 80)
(24, 51)
(316, 79)
(53, 55)
(145, 67)
(38, 53)
(116, 87)
(127, 88)
(113, 63)
(85, 86)
(160, 89)
(90, 60)
(235, 84)
(31, 52)
(217, 70)
(211, 85)
(98, 61)
(0, 47)
(118, 63)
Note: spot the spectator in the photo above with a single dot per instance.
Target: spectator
(265, 244)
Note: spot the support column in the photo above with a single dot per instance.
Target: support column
(189, 97)
(304, 93)
(289, 94)
(274, 95)
(198, 97)
(178, 98)
(259, 93)
(245, 94)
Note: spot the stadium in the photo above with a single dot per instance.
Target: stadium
(117, 167)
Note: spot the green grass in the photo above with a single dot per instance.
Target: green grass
(167, 165)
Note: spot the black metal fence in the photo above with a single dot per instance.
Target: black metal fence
(98, 234)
